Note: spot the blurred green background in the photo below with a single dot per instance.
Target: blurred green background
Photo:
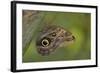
(77, 23)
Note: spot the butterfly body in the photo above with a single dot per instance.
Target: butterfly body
(52, 37)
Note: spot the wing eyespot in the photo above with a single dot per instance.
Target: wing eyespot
(45, 42)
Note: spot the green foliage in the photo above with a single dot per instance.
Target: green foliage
(77, 23)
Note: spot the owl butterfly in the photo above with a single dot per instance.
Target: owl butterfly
(51, 37)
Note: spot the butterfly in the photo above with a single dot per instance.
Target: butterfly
(51, 37)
